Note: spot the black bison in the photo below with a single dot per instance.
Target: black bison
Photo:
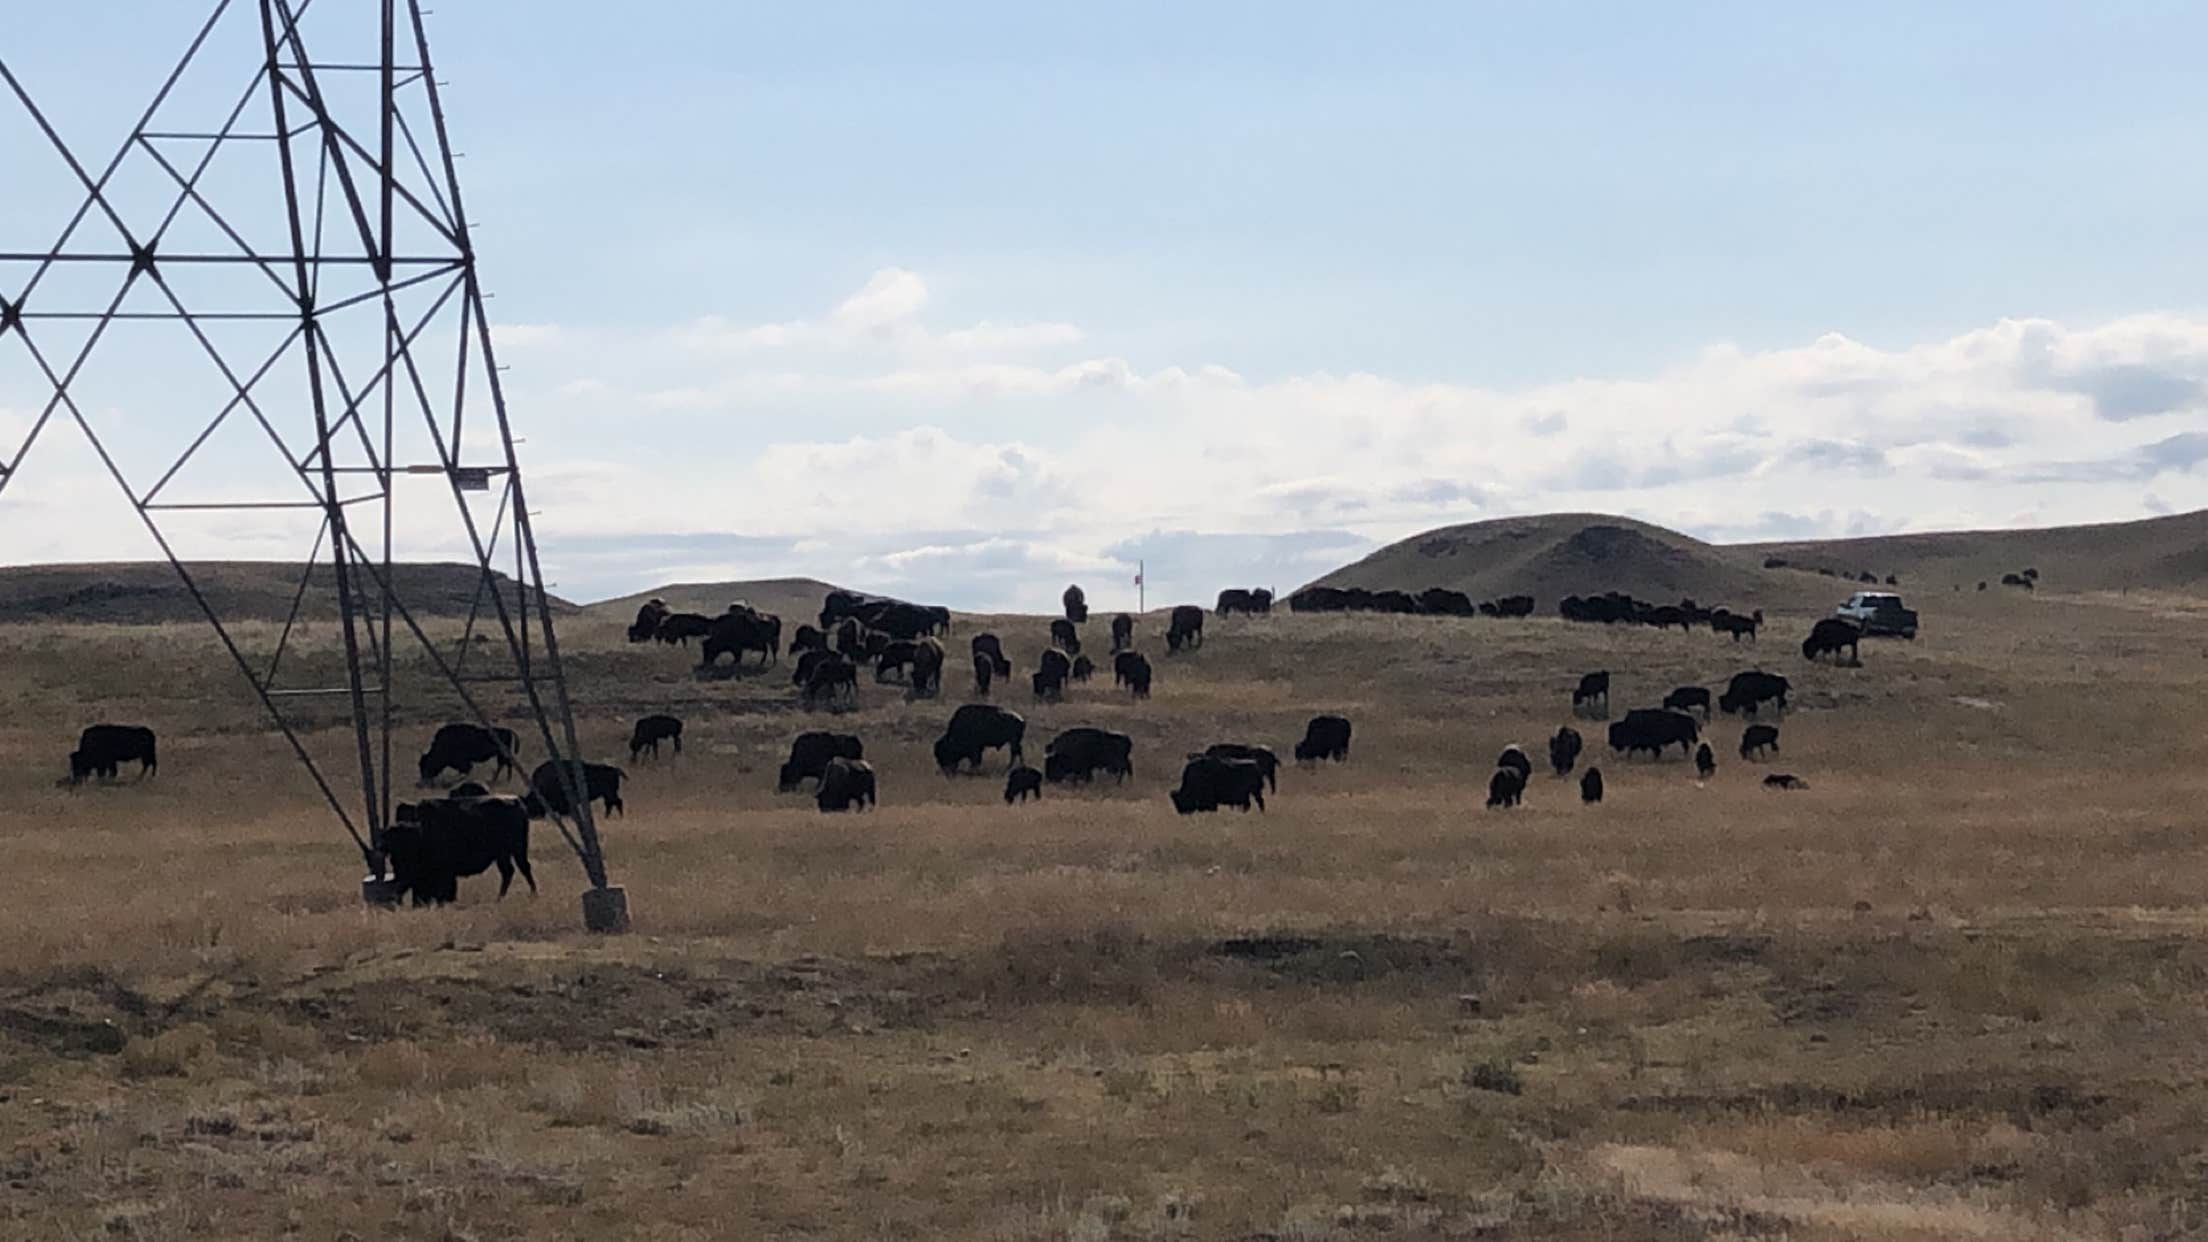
(895, 658)
(975, 728)
(1593, 687)
(459, 746)
(1737, 625)
(1687, 698)
(1263, 756)
(1784, 780)
(846, 785)
(1252, 603)
(1651, 729)
(1064, 637)
(103, 748)
(1757, 739)
(1830, 637)
(1132, 670)
(646, 626)
(431, 845)
(681, 627)
(651, 731)
(1590, 785)
(985, 671)
(1185, 628)
(989, 647)
(1564, 750)
(1079, 754)
(1051, 674)
(1443, 602)
(1077, 605)
(1123, 632)
(1514, 758)
(1751, 690)
(808, 639)
(1705, 761)
(548, 787)
(1324, 737)
(1505, 788)
(806, 663)
(927, 668)
(1208, 784)
(1022, 783)
(740, 633)
(1083, 668)
(810, 754)
(833, 678)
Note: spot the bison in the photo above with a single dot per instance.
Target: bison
(431, 845)
(1505, 788)
(1022, 783)
(651, 731)
(1831, 636)
(1590, 786)
(1324, 737)
(1514, 758)
(1064, 637)
(1080, 753)
(1592, 686)
(1185, 628)
(927, 668)
(1757, 739)
(1208, 784)
(548, 787)
(1750, 690)
(1784, 780)
(810, 754)
(1705, 761)
(1564, 750)
(103, 748)
(1652, 729)
(1687, 698)
(1132, 670)
(681, 627)
(740, 633)
(1051, 674)
(1083, 668)
(1123, 632)
(1262, 756)
(459, 746)
(834, 677)
(1077, 605)
(975, 728)
(846, 785)
(648, 617)
(985, 670)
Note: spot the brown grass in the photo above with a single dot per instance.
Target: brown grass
(1950, 990)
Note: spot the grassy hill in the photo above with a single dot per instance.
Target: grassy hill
(1559, 554)
(792, 599)
(2157, 554)
(150, 593)
(1553, 555)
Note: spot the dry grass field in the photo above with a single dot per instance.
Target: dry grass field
(1954, 989)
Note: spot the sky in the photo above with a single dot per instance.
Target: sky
(965, 302)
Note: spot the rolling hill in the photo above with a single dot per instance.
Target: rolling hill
(150, 593)
(1553, 555)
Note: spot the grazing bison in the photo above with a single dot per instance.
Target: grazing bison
(1830, 637)
(985, 670)
(1083, 668)
(1208, 784)
(1756, 739)
(1051, 674)
(1077, 605)
(1687, 698)
(1324, 737)
(1251, 603)
(1443, 602)
(1123, 632)
(1784, 780)
(808, 639)
(1132, 670)
(740, 633)
(810, 754)
(1514, 758)
(834, 677)
(1737, 625)
(1185, 628)
(1750, 690)
(651, 731)
(806, 663)
(1064, 637)
(927, 668)
(1262, 756)
(103, 748)
(1705, 762)
(601, 782)
(646, 626)
(1022, 783)
(975, 728)
(1079, 754)
(846, 785)
(1590, 785)
(1505, 788)
(681, 627)
(1592, 686)
(991, 648)
(1564, 750)
(895, 658)
(431, 845)
(1651, 729)
(459, 746)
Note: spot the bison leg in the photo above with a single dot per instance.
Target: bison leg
(505, 876)
(521, 864)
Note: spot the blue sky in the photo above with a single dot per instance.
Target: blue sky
(967, 300)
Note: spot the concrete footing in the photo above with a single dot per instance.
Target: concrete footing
(377, 891)
(606, 909)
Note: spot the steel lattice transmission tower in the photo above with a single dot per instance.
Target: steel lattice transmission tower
(286, 214)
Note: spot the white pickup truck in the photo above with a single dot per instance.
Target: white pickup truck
(1879, 612)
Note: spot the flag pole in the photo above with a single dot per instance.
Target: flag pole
(1142, 588)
